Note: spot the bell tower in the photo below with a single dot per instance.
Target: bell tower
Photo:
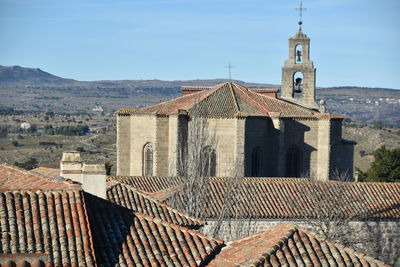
(298, 73)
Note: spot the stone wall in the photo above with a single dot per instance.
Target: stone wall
(161, 151)
(123, 145)
(258, 134)
(143, 131)
(379, 239)
(225, 130)
(304, 134)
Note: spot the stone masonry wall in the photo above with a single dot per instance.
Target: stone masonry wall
(225, 133)
(258, 135)
(304, 134)
(143, 130)
(161, 155)
(379, 239)
(123, 145)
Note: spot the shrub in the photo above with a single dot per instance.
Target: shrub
(30, 164)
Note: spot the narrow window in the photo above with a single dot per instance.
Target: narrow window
(294, 162)
(256, 162)
(148, 160)
(209, 162)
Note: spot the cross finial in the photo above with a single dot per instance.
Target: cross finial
(301, 9)
(230, 67)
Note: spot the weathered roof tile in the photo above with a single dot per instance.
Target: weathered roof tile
(129, 197)
(289, 245)
(226, 100)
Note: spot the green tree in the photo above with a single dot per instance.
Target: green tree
(385, 167)
(30, 164)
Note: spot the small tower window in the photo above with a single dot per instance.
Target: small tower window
(298, 54)
(256, 162)
(148, 160)
(209, 162)
(298, 79)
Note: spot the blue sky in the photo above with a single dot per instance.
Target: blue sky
(353, 42)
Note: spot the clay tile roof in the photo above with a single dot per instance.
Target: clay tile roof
(129, 197)
(288, 245)
(124, 238)
(24, 260)
(46, 222)
(226, 100)
(126, 111)
(46, 172)
(13, 178)
(150, 184)
(287, 198)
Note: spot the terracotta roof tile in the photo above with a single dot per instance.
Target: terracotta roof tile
(13, 178)
(149, 184)
(46, 172)
(129, 197)
(288, 245)
(46, 222)
(226, 100)
(297, 198)
(130, 239)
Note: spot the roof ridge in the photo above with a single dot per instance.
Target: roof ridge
(234, 97)
(176, 226)
(36, 191)
(243, 90)
(38, 175)
(212, 91)
(159, 203)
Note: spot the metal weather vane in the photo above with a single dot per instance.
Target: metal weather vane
(300, 9)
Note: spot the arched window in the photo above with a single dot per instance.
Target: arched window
(148, 159)
(256, 162)
(209, 158)
(294, 162)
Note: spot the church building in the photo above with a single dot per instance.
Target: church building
(272, 136)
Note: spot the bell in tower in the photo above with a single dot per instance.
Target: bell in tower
(298, 72)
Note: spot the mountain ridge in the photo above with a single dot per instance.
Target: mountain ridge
(32, 89)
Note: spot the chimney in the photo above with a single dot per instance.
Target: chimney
(272, 92)
(71, 166)
(94, 179)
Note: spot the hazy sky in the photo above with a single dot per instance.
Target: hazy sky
(353, 42)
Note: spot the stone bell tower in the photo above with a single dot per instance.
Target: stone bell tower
(298, 73)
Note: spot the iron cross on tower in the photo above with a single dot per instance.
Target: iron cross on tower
(300, 9)
(230, 67)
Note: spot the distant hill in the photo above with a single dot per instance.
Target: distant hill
(36, 90)
(17, 76)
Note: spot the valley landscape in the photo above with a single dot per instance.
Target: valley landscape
(42, 100)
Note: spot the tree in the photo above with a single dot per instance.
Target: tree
(193, 163)
(30, 164)
(385, 167)
(196, 163)
(333, 209)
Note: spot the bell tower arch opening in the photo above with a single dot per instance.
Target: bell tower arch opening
(298, 79)
(298, 54)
